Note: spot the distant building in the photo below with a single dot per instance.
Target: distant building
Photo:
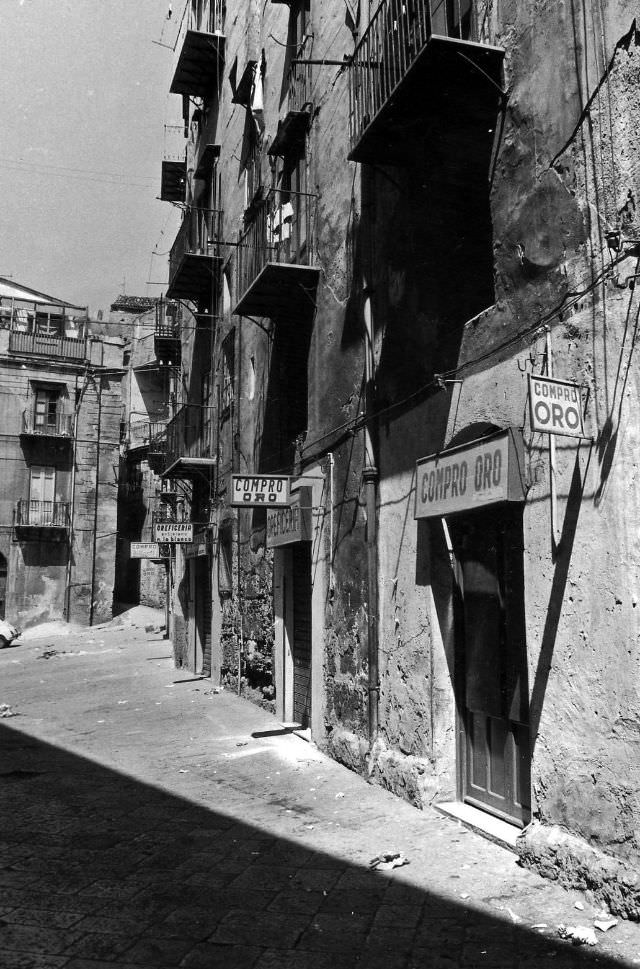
(60, 417)
(152, 350)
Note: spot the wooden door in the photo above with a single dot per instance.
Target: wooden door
(3, 586)
(494, 749)
(301, 647)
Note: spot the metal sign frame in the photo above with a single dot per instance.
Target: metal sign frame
(562, 406)
(260, 490)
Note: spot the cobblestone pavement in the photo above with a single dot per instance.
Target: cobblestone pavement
(149, 821)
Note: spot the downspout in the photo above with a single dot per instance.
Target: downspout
(370, 478)
(95, 505)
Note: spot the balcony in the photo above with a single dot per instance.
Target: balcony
(166, 338)
(189, 436)
(202, 52)
(42, 514)
(47, 345)
(277, 275)
(157, 445)
(195, 260)
(289, 141)
(418, 75)
(47, 425)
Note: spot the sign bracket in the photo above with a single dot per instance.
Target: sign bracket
(553, 489)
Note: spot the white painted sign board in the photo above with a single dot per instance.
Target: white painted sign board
(471, 476)
(144, 550)
(180, 533)
(555, 406)
(259, 490)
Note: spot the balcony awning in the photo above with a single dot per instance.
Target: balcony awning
(187, 467)
(196, 277)
(290, 136)
(447, 95)
(199, 63)
(206, 160)
(10, 290)
(174, 181)
(278, 289)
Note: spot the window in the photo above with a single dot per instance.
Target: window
(42, 485)
(207, 415)
(46, 408)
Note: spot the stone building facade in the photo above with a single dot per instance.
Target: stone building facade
(60, 414)
(396, 216)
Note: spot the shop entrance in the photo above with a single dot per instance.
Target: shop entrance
(301, 643)
(200, 615)
(491, 659)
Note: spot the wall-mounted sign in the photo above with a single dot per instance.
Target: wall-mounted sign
(258, 490)
(195, 550)
(285, 526)
(471, 476)
(145, 550)
(555, 406)
(180, 533)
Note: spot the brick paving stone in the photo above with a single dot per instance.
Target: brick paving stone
(161, 952)
(303, 959)
(104, 925)
(208, 956)
(267, 930)
(48, 919)
(26, 960)
(34, 938)
(372, 958)
(401, 916)
(335, 932)
(305, 902)
(316, 879)
(103, 946)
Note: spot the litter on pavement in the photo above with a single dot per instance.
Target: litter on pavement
(578, 934)
(6, 711)
(388, 860)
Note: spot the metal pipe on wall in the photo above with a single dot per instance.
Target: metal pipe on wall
(370, 477)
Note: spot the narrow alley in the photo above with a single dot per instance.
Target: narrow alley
(152, 820)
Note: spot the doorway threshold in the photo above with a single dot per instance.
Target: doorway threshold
(487, 825)
(296, 728)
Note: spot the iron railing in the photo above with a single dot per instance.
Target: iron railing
(299, 82)
(395, 37)
(207, 16)
(47, 346)
(167, 320)
(157, 438)
(200, 234)
(42, 514)
(47, 425)
(283, 230)
(190, 434)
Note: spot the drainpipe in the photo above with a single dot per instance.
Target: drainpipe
(95, 505)
(370, 478)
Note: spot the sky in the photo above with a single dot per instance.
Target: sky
(82, 136)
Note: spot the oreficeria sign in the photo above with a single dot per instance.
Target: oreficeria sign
(555, 406)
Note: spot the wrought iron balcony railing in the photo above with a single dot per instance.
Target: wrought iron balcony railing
(290, 138)
(47, 425)
(167, 337)
(42, 514)
(195, 259)
(202, 49)
(416, 58)
(190, 434)
(276, 255)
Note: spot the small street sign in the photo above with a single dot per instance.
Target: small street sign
(555, 406)
(259, 490)
(145, 550)
(179, 533)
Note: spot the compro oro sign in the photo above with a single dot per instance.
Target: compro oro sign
(471, 476)
(555, 406)
(258, 490)
(145, 550)
(286, 526)
(179, 533)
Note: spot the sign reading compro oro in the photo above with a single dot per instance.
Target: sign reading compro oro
(286, 526)
(259, 489)
(145, 550)
(180, 533)
(471, 476)
(555, 406)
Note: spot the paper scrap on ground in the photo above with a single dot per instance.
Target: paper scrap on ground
(388, 860)
(578, 934)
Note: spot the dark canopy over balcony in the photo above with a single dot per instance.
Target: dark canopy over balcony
(418, 76)
(174, 181)
(199, 64)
